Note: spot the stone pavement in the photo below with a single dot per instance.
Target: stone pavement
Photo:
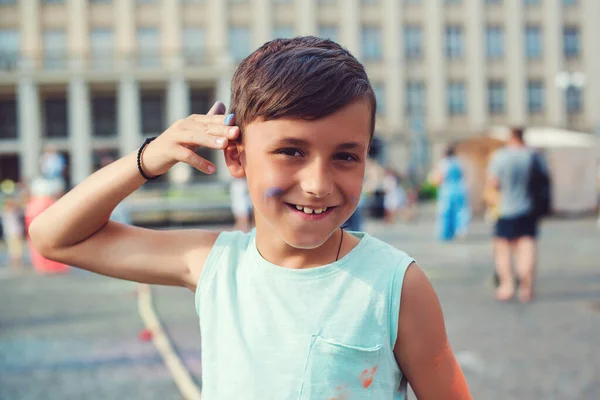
(53, 340)
(75, 337)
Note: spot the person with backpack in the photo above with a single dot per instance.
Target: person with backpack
(522, 179)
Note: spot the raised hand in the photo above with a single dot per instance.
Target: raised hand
(181, 140)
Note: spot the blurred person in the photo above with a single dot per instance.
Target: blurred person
(52, 163)
(241, 206)
(44, 192)
(13, 230)
(394, 200)
(300, 307)
(453, 211)
(516, 228)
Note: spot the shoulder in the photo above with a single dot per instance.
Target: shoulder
(386, 255)
(220, 248)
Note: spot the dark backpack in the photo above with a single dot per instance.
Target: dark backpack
(539, 188)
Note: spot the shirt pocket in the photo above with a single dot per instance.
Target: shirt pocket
(338, 371)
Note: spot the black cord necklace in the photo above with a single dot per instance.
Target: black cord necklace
(340, 246)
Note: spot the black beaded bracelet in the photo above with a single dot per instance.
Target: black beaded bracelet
(139, 161)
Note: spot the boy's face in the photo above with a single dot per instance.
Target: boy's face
(314, 165)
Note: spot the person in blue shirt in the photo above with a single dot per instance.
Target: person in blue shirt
(298, 308)
(454, 212)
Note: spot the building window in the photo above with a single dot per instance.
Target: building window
(453, 1)
(52, 1)
(201, 100)
(55, 45)
(104, 116)
(239, 42)
(153, 112)
(574, 100)
(55, 117)
(496, 97)
(148, 44)
(535, 96)
(454, 41)
(569, 3)
(371, 43)
(7, 2)
(10, 48)
(494, 37)
(413, 42)
(491, 2)
(8, 119)
(571, 41)
(379, 90)
(328, 32)
(533, 42)
(284, 32)
(193, 45)
(531, 2)
(102, 46)
(415, 98)
(456, 98)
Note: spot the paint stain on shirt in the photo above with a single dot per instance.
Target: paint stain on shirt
(366, 377)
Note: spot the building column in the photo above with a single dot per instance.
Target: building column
(30, 129)
(476, 82)
(216, 36)
(29, 24)
(77, 32)
(515, 64)
(170, 30)
(306, 23)
(226, 66)
(552, 52)
(435, 66)
(178, 107)
(590, 11)
(262, 22)
(350, 27)
(178, 98)
(393, 58)
(125, 32)
(129, 117)
(80, 135)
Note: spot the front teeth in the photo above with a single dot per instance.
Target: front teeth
(308, 210)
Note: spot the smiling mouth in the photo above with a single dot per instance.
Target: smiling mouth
(309, 210)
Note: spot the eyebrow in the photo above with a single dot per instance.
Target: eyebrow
(304, 143)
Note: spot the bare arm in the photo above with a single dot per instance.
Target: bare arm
(76, 229)
(422, 349)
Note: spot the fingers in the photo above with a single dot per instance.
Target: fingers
(203, 134)
(217, 109)
(220, 119)
(190, 157)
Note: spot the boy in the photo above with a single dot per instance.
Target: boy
(298, 308)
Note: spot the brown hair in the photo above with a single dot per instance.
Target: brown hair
(517, 133)
(301, 78)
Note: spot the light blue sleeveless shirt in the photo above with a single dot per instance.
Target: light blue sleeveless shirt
(323, 333)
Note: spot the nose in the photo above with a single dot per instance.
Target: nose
(317, 179)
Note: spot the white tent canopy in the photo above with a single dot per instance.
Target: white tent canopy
(542, 137)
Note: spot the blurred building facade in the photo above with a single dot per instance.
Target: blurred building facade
(95, 77)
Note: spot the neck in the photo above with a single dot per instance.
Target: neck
(275, 250)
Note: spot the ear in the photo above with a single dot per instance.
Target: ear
(233, 158)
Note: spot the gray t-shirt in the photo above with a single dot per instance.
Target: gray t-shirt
(511, 166)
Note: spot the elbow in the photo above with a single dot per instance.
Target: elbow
(40, 239)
